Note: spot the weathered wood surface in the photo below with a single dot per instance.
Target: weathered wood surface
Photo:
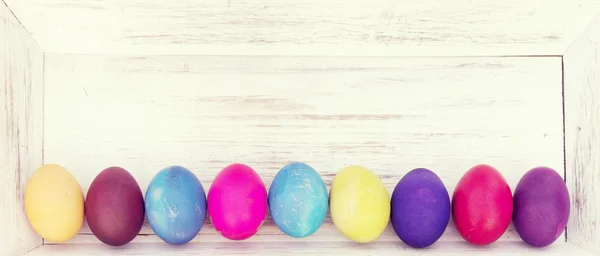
(582, 137)
(307, 27)
(21, 107)
(388, 114)
(310, 248)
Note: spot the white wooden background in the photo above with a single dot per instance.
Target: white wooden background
(388, 114)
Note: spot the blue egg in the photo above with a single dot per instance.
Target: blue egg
(175, 204)
(298, 200)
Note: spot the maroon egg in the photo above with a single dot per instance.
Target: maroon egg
(114, 207)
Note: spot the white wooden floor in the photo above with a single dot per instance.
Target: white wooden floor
(309, 248)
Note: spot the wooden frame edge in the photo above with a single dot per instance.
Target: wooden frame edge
(581, 113)
(21, 124)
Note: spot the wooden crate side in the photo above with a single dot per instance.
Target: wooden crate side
(582, 137)
(309, 248)
(307, 27)
(21, 121)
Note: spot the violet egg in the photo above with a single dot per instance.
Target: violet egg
(541, 206)
(420, 208)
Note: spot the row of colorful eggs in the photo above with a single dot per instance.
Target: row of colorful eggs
(175, 204)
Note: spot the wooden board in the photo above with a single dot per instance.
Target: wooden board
(311, 248)
(21, 109)
(582, 136)
(308, 27)
(389, 114)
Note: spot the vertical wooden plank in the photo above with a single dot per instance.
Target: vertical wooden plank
(21, 110)
(582, 137)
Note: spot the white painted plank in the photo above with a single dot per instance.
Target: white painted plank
(21, 110)
(582, 137)
(269, 233)
(311, 248)
(388, 114)
(308, 27)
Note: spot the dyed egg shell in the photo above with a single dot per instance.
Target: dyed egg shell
(420, 208)
(359, 204)
(237, 202)
(114, 207)
(54, 203)
(542, 206)
(175, 205)
(482, 205)
(298, 200)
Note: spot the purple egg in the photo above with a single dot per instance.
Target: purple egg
(541, 206)
(420, 208)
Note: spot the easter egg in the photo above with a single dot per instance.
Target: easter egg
(541, 206)
(482, 205)
(114, 207)
(175, 205)
(298, 200)
(359, 204)
(420, 208)
(54, 203)
(237, 202)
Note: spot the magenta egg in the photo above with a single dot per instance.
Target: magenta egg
(237, 202)
(482, 205)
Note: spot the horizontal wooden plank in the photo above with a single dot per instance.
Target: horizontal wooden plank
(388, 114)
(311, 248)
(21, 110)
(269, 232)
(582, 137)
(309, 27)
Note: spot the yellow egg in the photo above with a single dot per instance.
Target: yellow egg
(54, 203)
(359, 204)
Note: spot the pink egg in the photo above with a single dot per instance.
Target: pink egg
(482, 205)
(237, 202)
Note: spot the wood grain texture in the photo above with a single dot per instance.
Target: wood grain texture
(21, 109)
(309, 27)
(310, 248)
(582, 137)
(389, 114)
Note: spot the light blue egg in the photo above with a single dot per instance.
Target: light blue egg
(298, 200)
(175, 204)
